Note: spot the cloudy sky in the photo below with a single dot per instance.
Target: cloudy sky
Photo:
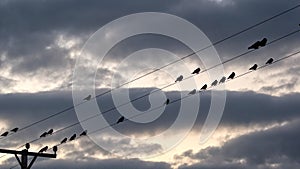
(41, 41)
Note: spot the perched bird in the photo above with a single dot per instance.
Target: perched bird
(88, 98)
(263, 42)
(55, 149)
(27, 146)
(196, 71)
(44, 134)
(15, 129)
(270, 61)
(214, 83)
(121, 119)
(84, 133)
(44, 149)
(50, 132)
(64, 140)
(192, 92)
(4, 134)
(255, 45)
(254, 67)
(222, 80)
(258, 44)
(180, 78)
(204, 87)
(231, 76)
(72, 137)
(167, 102)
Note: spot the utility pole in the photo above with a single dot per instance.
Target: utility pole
(24, 156)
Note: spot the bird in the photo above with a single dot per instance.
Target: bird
(88, 98)
(192, 92)
(179, 79)
(121, 119)
(44, 149)
(222, 80)
(64, 140)
(4, 134)
(196, 71)
(214, 83)
(270, 61)
(72, 137)
(258, 44)
(54, 149)
(50, 132)
(255, 45)
(263, 42)
(15, 129)
(231, 76)
(84, 133)
(254, 67)
(204, 87)
(44, 134)
(27, 146)
(167, 102)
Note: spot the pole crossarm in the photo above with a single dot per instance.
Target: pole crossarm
(28, 153)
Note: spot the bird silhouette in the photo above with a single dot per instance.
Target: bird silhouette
(15, 129)
(44, 134)
(4, 134)
(84, 133)
(258, 44)
(167, 102)
(270, 61)
(214, 83)
(88, 98)
(44, 149)
(192, 92)
(55, 149)
(73, 137)
(179, 79)
(254, 67)
(222, 80)
(121, 119)
(64, 140)
(255, 45)
(196, 71)
(27, 146)
(263, 42)
(231, 76)
(204, 87)
(50, 132)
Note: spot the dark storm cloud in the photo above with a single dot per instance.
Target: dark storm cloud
(260, 149)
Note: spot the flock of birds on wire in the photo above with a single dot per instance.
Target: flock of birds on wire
(256, 45)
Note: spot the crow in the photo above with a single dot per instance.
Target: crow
(50, 132)
(204, 87)
(4, 134)
(196, 71)
(214, 83)
(84, 133)
(254, 67)
(167, 102)
(43, 149)
(73, 137)
(88, 98)
(270, 61)
(55, 149)
(44, 134)
(121, 119)
(179, 79)
(231, 76)
(27, 146)
(222, 80)
(15, 129)
(263, 42)
(64, 140)
(192, 92)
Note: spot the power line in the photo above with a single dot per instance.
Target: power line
(174, 101)
(147, 94)
(184, 57)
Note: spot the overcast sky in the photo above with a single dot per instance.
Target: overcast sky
(259, 129)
